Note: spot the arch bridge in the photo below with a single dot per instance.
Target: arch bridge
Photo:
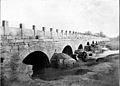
(18, 43)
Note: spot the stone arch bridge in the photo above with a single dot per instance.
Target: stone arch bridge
(17, 43)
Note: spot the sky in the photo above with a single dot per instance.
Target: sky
(74, 15)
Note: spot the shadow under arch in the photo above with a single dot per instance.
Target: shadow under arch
(68, 50)
(38, 59)
(80, 46)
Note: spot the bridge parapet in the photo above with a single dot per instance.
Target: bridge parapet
(21, 33)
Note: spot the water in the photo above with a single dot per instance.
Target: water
(56, 74)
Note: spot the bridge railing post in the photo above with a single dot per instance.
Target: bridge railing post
(5, 26)
(33, 27)
(43, 29)
(51, 32)
(62, 33)
(21, 28)
(66, 33)
(69, 34)
(57, 33)
(73, 34)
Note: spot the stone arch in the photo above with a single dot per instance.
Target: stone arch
(31, 49)
(37, 58)
(87, 43)
(24, 69)
(39, 61)
(68, 50)
(93, 42)
(80, 46)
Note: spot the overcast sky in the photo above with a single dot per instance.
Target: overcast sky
(77, 15)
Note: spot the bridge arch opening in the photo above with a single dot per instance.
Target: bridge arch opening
(80, 46)
(39, 61)
(68, 50)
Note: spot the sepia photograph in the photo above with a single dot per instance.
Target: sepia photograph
(59, 43)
